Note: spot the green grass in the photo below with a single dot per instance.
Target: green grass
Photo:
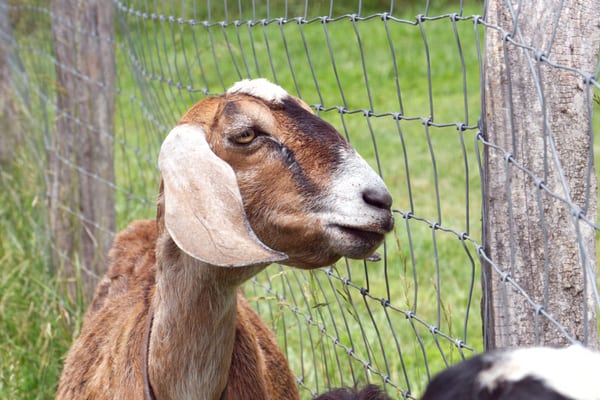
(37, 325)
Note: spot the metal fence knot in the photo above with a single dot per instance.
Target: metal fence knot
(538, 309)
(540, 56)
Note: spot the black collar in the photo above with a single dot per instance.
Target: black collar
(148, 392)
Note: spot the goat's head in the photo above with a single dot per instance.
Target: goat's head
(288, 175)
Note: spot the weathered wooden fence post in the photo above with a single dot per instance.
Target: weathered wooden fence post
(9, 131)
(539, 115)
(81, 172)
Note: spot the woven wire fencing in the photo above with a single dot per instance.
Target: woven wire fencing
(356, 321)
(404, 84)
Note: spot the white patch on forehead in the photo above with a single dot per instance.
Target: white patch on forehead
(261, 88)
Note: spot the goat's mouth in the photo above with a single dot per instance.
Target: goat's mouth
(365, 234)
(358, 242)
(369, 231)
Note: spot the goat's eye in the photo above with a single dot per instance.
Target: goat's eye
(245, 137)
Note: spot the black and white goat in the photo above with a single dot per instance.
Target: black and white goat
(536, 373)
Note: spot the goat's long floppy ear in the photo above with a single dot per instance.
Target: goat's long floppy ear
(203, 206)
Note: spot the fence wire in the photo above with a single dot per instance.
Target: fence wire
(402, 83)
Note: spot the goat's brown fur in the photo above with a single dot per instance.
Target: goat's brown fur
(129, 280)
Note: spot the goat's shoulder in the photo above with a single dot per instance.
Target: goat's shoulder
(111, 339)
(132, 264)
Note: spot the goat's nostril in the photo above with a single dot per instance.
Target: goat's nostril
(377, 197)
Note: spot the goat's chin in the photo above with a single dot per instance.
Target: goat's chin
(320, 242)
(358, 251)
(327, 256)
(312, 262)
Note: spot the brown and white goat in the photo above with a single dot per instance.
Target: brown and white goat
(247, 178)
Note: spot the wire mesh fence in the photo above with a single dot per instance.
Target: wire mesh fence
(406, 85)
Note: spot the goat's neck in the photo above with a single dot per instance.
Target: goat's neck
(193, 330)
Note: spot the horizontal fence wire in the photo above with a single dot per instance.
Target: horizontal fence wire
(401, 82)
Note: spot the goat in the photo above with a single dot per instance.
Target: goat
(537, 373)
(369, 392)
(248, 178)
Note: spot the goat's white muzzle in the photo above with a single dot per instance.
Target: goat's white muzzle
(358, 208)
